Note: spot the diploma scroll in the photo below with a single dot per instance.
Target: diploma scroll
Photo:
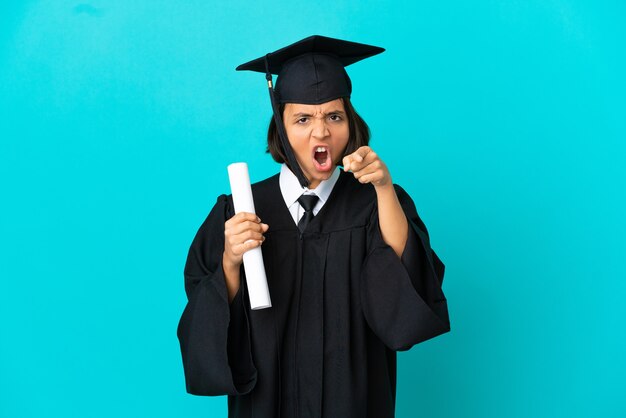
(252, 259)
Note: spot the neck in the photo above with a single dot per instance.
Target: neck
(313, 184)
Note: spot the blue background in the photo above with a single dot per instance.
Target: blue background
(505, 121)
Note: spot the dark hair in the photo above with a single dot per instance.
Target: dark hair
(359, 133)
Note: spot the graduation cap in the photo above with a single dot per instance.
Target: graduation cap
(310, 71)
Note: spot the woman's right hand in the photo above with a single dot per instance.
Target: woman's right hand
(242, 232)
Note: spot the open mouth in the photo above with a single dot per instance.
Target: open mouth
(321, 156)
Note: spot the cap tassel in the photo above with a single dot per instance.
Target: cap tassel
(282, 134)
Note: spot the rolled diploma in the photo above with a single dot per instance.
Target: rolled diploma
(252, 259)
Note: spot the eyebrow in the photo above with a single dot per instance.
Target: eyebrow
(332, 112)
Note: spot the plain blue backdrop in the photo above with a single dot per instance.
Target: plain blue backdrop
(505, 121)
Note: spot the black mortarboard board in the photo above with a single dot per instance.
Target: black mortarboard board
(310, 71)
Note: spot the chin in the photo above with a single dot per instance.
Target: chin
(326, 174)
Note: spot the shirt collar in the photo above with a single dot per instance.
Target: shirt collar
(291, 189)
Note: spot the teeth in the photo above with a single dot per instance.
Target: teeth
(320, 149)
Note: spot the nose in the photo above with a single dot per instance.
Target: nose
(320, 129)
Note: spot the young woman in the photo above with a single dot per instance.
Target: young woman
(350, 270)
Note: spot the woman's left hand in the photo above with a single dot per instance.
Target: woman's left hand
(367, 167)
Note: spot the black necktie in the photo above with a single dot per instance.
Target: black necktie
(308, 202)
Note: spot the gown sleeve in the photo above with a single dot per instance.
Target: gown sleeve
(214, 336)
(402, 298)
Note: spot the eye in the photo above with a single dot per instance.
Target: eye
(302, 120)
(335, 118)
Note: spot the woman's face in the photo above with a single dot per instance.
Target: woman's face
(318, 135)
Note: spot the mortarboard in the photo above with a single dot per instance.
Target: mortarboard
(310, 71)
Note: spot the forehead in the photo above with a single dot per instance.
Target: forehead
(332, 106)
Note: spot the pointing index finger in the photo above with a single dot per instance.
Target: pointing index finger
(362, 152)
(357, 158)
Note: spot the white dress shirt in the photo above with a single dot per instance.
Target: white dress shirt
(291, 190)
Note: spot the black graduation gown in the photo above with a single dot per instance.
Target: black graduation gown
(343, 304)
